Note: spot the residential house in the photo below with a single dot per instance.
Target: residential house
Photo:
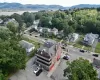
(11, 20)
(60, 34)
(1, 21)
(90, 38)
(47, 29)
(73, 37)
(42, 30)
(36, 22)
(48, 54)
(39, 29)
(54, 31)
(28, 46)
(35, 27)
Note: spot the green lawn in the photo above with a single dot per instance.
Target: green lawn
(78, 43)
(97, 50)
(88, 48)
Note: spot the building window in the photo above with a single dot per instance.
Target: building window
(44, 59)
(44, 63)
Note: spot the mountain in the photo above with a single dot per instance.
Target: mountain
(29, 6)
(18, 6)
(85, 6)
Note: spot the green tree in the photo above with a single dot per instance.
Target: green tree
(80, 69)
(68, 30)
(2, 77)
(12, 56)
(44, 22)
(28, 18)
(12, 27)
(4, 34)
(18, 18)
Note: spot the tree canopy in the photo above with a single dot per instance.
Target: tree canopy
(80, 69)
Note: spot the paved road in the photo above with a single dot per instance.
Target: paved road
(74, 54)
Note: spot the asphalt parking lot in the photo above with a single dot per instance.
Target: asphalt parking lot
(28, 74)
(58, 73)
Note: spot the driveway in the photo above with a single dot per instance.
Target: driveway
(94, 45)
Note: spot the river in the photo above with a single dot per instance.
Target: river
(12, 12)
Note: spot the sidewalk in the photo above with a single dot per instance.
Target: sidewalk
(54, 68)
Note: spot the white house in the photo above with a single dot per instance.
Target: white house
(90, 38)
(60, 34)
(36, 22)
(39, 29)
(47, 29)
(1, 21)
(54, 31)
(35, 27)
(12, 20)
(28, 46)
(73, 37)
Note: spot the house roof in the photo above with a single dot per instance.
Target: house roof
(47, 50)
(90, 36)
(1, 21)
(26, 44)
(54, 29)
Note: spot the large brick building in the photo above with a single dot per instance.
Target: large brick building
(48, 54)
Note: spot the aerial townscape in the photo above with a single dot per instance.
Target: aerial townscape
(49, 42)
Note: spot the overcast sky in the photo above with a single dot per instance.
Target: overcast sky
(57, 2)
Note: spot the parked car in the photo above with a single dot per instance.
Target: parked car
(37, 71)
(46, 39)
(37, 35)
(81, 50)
(96, 55)
(63, 47)
(66, 57)
(30, 34)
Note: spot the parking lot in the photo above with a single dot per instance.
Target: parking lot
(28, 74)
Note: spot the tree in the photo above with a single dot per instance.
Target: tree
(12, 27)
(44, 22)
(4, 34)
(38, 15)
(2, 77)
(80, 69)
(28, 18)
(68, 30)
(18, 18)
(12, 56)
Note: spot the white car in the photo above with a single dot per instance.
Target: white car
(36, 70)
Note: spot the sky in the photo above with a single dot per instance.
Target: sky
(57, 2)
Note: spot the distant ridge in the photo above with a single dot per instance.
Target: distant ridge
(29, 6)
(85, 6)
(15, 6)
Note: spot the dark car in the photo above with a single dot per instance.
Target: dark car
(96, 55)
(82, 51)
(63, 47)
(39, 72)
(30, 34)
(66, 57)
